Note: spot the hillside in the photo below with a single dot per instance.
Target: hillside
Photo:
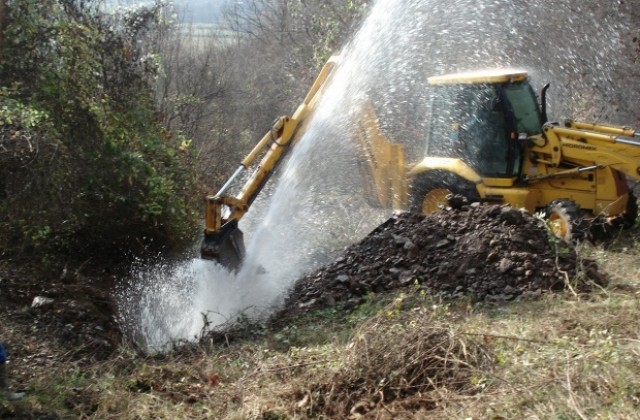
(345, 346)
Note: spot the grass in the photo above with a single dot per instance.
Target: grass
(406, 355)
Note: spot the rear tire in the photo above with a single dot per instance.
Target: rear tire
(429, 191)
(565, 220)
(604, 230)
(631, 213)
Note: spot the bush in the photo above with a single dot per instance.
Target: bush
(86, 169)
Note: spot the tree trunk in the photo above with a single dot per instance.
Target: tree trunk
(3, 23)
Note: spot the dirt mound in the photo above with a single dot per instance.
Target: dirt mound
(486, 252)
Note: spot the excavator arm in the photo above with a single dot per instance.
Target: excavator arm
(587, 147)
(223, 239)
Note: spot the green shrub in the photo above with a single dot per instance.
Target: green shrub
(87, 170)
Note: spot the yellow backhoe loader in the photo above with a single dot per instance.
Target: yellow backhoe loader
(223, 240)
(488, 139)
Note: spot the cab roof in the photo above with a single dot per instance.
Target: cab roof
(495, 76)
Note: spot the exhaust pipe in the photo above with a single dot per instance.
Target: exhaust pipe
(543, 103)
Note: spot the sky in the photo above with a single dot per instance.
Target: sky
(196, 11)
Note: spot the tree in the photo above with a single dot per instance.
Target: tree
(87, 169)
(224, 86)
(3, 22)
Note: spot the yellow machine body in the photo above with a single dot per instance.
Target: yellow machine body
(584, 163)
(488, 139)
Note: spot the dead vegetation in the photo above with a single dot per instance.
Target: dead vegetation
(398, 365)
(409, 356)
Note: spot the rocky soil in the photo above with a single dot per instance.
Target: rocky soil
(487, 253)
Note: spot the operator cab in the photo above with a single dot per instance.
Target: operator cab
(478, 117)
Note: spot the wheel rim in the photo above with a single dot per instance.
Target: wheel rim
(435, 200)
(558, 226)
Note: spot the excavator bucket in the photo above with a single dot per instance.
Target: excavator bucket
(225, 246)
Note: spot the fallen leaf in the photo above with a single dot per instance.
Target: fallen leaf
(214, 380)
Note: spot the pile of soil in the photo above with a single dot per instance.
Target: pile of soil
(488, 253)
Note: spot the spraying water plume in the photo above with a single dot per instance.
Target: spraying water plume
(318, 205)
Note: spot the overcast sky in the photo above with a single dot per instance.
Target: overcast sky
(197, 11)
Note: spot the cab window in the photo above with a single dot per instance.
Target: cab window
(525, 107)
(470, 122)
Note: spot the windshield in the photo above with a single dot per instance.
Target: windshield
(456, 111)
(478, 123)
(525, 107)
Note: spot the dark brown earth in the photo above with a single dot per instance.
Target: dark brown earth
(487, 253)
(67, 311)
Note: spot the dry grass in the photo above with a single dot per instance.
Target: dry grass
(564, 356)
(396, 359)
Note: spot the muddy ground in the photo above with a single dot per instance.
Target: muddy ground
(66, 311)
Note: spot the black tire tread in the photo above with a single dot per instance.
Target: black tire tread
(439, 179)
(569, 210)
(631, 213)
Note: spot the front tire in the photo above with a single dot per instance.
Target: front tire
(631, 213)
(566, 220)
(430, 191)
